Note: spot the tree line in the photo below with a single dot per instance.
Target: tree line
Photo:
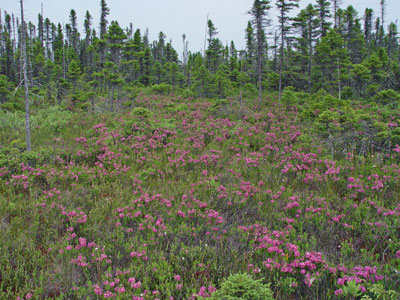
(322, 46)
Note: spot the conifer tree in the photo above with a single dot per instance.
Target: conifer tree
(335, 7)
(250, 47)
(307, 23)
(368, 28)
(85, 54)
(74, 31)
(104, 12)
(284, 8)
(324, 14)
(214, 49)
(259, 12)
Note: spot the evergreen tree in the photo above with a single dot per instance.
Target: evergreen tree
(392, 41)
(324, 14)
(284, 8)
(353, 36)
(40, 29)
(86, 53)
(115, 42)
(104, 12)
(332, 55)
(74, 31)
(48, 29)
(8, 65)
(259, 13)
(250, 49)
(307, 24)
(368, 28)
(214, 50)
(335, 7)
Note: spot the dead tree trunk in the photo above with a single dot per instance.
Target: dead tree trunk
(26, 82)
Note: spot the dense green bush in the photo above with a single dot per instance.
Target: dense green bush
(242, 287)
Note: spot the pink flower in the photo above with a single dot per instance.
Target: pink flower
(28, 296)
(177, 277)
(82, 241)
(339, 292)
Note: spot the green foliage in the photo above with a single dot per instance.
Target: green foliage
(242, 287)
(161, 89)
(351, 290)
(387, 97)
(6, 88)
(289, 97)
(141, 112)
(379, 292)
(176, 107)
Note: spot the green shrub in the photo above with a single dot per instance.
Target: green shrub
(289, 97)
(162, 89)
(141, 112)
(386, 97)
(242, 287)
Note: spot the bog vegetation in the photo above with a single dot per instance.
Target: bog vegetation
(266, 173)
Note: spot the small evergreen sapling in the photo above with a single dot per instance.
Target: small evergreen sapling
(242, 287)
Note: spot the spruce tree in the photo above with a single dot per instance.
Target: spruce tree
(259, 12)
(104, 12)
(284, 8)
(306, 23)
(324, 14)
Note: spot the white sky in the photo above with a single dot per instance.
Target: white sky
(173, 17)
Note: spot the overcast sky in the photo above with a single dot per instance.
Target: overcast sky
(173, 17)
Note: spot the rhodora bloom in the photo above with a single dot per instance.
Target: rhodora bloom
(97, 290)
(339, 292)
(177, 277)
(82, 241)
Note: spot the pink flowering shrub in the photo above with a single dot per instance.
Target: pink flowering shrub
(164, 203)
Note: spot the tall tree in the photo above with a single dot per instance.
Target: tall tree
(26, 82)
(324, 14)
(74, 31)
(40, 29)
(8, 66)
(307, 23)
(104, 12)
(88, 40)
(392, 40)
(332, 55)
(284, 8)
(368, 28)
(259, 12)
(214, 49)
(383, 12)
(335, 7)
(250, 48)
(48, 36)
(115, 41)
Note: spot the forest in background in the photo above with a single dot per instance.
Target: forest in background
(346, 53)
